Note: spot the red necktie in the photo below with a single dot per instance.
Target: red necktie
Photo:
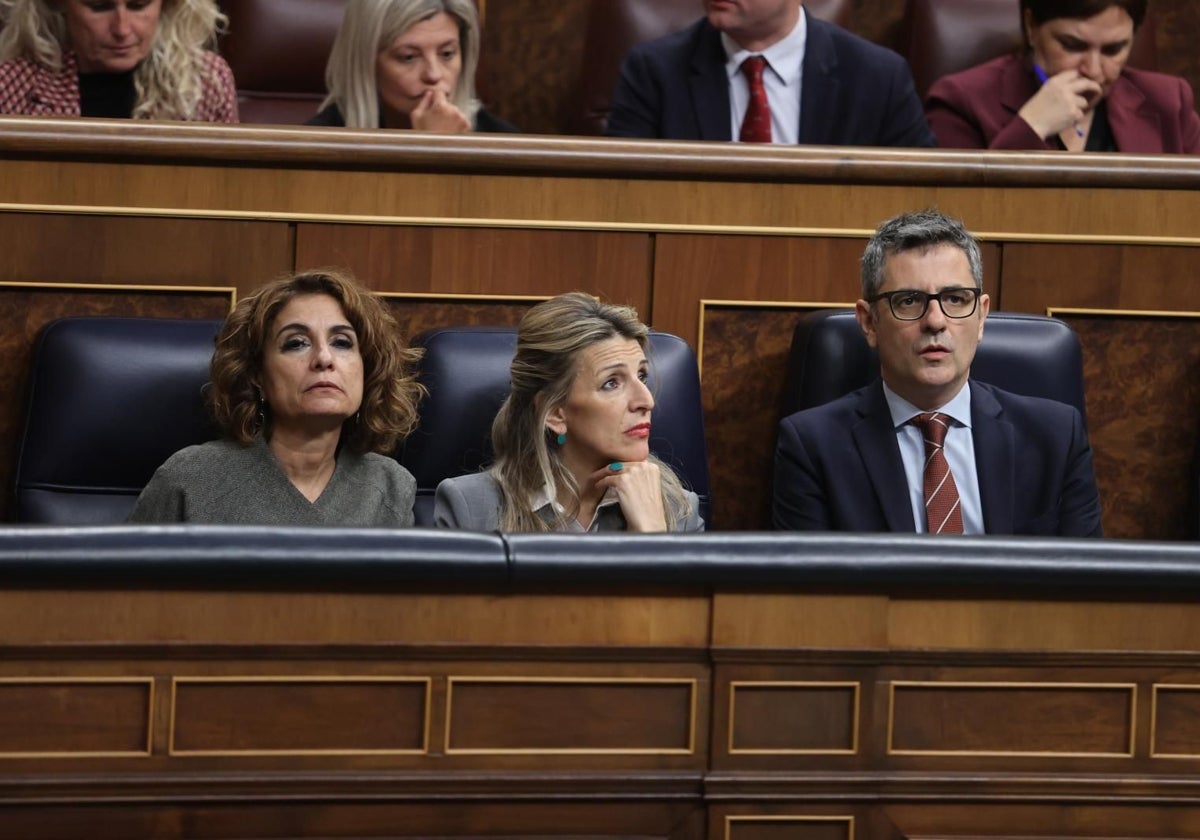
(756, 126)
(943, 512)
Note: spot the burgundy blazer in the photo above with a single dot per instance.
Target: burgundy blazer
(1150, 113)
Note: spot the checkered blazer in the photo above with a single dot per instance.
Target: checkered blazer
(28, 88)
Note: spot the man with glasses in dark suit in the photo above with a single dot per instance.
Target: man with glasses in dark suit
(925, 448)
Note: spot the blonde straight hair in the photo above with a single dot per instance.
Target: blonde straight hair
(168, 85)
(550, 341)
(368, 28)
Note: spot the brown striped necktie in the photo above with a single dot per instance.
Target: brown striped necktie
(943, 511)
(756, 125)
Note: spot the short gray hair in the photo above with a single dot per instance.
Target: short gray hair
(917, 231)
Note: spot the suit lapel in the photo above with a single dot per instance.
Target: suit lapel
(1135, 125)
(708, 85)
(1016, 86)
(875, 437)
(821, 85)
(994, 460)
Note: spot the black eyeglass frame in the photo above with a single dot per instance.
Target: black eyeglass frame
(977, 290)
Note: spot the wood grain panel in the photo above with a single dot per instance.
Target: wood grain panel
(782, 717)
(784, 827)
(500, 715)
(24, 310)
(44, 616)
(100, 249)
(1175, 731)
(1142, 380)
(72, 718)
(1010, 719)
(483, 261)
(297, 716)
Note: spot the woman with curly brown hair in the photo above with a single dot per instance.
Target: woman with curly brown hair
(311, 387)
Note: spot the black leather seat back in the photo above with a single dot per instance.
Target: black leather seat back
(109, 400)
(1027, 354)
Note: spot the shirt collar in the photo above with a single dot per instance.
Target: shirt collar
(546, 497)
(958, 408)
(784, 57)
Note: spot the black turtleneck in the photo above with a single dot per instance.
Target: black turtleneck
(106, 94)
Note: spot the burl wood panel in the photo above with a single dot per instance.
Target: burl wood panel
(532, 59)
(1176, 721)
(998, 719)
(24, 310)
(1142, 379)
(485, 261)
(744, 369)
(633, 716)
(801, 718)
(416, 315)
(298, 716)
(73, 718)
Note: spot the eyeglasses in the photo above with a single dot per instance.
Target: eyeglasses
(911, 305)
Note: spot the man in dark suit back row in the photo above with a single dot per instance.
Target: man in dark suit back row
(925, 448)
(822, 85)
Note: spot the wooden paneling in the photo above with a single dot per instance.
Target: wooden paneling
(485, 262)
(579, 716)
(106, 249)
(793, 717)
(1176, 721)
(788, 827)
(63, 718)
(246, 716)
(1014, 719)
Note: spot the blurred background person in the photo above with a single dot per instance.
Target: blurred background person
(145, 59)
(406, 64)
(312, 389)
(1070, 89)
(572, 440)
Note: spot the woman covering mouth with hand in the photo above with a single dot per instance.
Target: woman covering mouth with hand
(572, 440)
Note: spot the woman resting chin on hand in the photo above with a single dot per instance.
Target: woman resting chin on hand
(572, 440)
(406, 64)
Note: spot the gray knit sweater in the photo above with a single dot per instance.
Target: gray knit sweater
(223, 482)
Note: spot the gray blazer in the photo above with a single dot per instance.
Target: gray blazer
(472, 503)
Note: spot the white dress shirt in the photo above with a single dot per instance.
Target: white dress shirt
(781, 78)
(958, 447)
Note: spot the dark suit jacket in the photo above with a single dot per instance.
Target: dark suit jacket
(838, 467)
(853, 92)
(1150, 113)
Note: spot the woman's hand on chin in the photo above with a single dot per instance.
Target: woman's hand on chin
(639, 490)
(436, 112)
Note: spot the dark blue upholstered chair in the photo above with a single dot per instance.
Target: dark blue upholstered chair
(109, 400)
(1026, 354)
(466, 372)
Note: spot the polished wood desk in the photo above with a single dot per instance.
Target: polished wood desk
(281, 683)
(724, 245)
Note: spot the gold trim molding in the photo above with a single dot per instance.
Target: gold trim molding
(148, 682)
(856, 688)
(427, 682)
(832, 819)
(689, 683)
